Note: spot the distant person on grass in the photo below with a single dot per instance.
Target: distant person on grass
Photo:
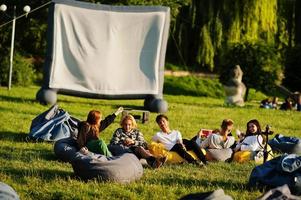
(269, 103)
(220, 139)
(89, 130)
(287, 104)
(128, 139)
(172, 141)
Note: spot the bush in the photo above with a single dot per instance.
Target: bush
(23, 71)
(193, 86)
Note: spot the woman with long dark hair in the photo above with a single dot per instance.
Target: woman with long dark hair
(253, 140)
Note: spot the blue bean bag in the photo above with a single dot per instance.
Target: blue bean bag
(285, 144)
(121, 169)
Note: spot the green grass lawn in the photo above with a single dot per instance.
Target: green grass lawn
(35, 173)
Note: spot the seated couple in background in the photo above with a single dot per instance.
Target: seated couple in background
(250, 145)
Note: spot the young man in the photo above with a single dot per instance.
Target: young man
(172, 141)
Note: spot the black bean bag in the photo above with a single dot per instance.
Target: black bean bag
(122, 169)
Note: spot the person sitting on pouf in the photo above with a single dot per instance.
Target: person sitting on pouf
(88, 134)
(128, 139)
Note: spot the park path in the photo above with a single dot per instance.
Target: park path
(187, 73)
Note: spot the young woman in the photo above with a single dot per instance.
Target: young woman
(253, 140)
(89, 130)
(128, 139)
(220, 139)
(172, 141)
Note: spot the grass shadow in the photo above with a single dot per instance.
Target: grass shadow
(25, 154)
(130, 107)
(13, 136)
(44, 174)
(190, 182)
(17, 99)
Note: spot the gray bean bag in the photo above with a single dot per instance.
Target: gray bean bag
(218, 154)
(122, 169)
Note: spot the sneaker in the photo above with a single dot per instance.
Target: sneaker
(158, 162)
(163, 159)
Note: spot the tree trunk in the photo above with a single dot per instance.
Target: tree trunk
(247, 94)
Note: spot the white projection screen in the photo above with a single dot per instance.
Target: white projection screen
(104, 51)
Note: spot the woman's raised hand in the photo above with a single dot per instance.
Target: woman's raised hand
(118, 111)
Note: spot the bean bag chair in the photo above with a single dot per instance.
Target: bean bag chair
(218, 154)
(285, 144)
(7, 192)
(65, 149)
(52, 125)
(285, 169)
(158, 149)
(121, 169)
(246, 156)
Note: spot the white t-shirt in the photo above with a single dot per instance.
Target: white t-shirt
(252, 143)
(168, 139)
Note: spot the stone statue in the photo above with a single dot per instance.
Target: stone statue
(235, 89)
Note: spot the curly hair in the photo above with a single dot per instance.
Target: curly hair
(128, 117)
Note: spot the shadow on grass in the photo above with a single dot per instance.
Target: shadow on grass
(16, 99)
(19, 137)
(115, 103)
(24, 154)
(202, 104)
(130, 107)
(191, 182)
(214, 105)
(45, 174)
(13, 136)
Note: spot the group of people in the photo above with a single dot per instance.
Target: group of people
(291, 102)
(128, 139)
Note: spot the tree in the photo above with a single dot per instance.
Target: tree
(205, 28)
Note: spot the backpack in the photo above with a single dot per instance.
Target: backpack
(285, 169)
(52, 125)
